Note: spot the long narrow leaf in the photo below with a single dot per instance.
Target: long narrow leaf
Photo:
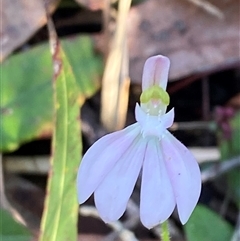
(59, 222)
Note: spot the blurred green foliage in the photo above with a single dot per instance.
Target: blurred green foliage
(231, 148)
(26, 106)
(10, 230)
(204, 224)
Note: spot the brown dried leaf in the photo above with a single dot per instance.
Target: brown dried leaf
(20, 20)
(194, 40)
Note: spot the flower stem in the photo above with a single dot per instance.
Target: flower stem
(165, 232)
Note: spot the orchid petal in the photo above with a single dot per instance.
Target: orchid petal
(157, 199)
(101, 158)
(168, 118)
(113, 193)
(155, 72)
(184, 173)
(140, 115)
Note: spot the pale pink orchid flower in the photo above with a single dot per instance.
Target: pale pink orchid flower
(170, 174)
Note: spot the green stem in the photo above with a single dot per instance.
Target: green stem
(165, 232)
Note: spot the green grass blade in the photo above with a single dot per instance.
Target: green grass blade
(59, 222)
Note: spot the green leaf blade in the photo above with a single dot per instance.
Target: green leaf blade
(26, 89)
(59, 221)
(204, 224)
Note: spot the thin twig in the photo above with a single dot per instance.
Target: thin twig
(3, 199)
(124, 234)
(133, 218)
(220, 168)
(194, 125)
(205, 154)
(132, 213)
(208, 7)
(40, 164)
